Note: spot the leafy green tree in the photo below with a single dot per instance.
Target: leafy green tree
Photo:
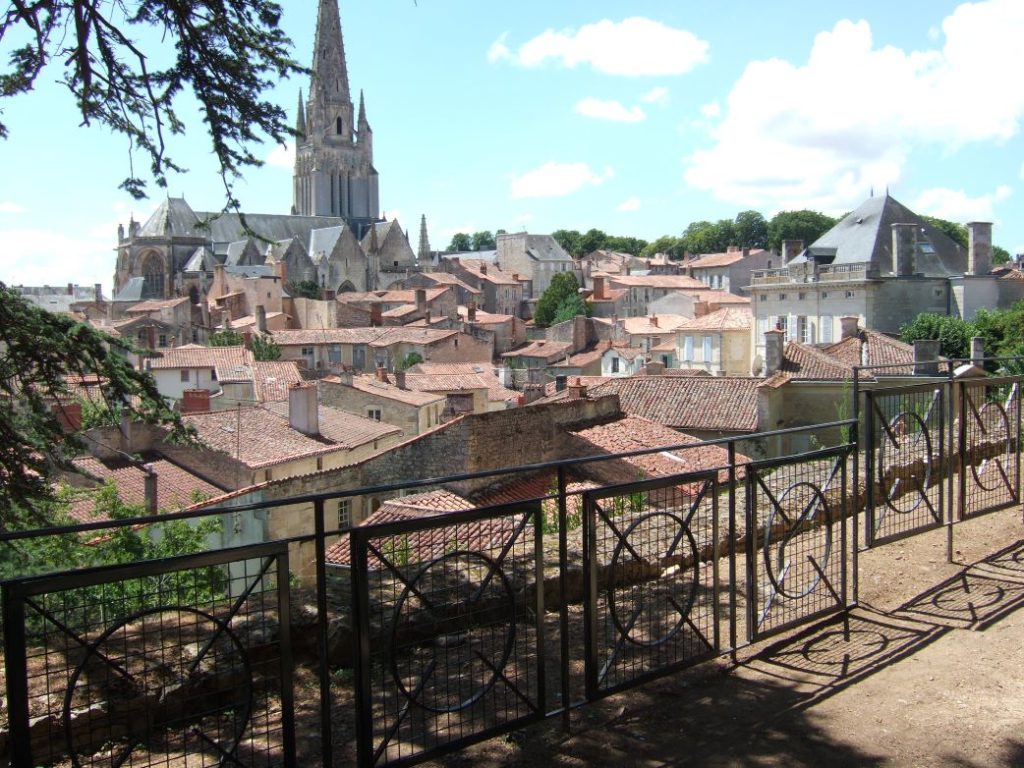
(625, 244)
(265, 349)
(797, 225)
(483, 241)
(569, 239)
(750, 230)
(590, 241)
(460, 243)
(564, 286)
(226, 338)
(38, 351)
(409, 361)
(708, 237)
(303, 289)
(673, 246)
(129, 66)
(956, 232)
(569, 308)
(1000, 255)
(954, 334)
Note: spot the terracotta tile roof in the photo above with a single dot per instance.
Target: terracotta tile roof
(458, 382)
(401, 311)
(587, 381)
(1012, 274)
(155, 305)
(533, 487)
(394, 296)
(722, 259)
(545, 350)
(262, 437)
(248, 322)
(411, 335)
(678, 282)
(723, 297)
(230, 363)
(429, 367)
(424, 545)
(873, 348)
(583, 358)
(724, 319)
(312, 336)
(484, 318)
(494, 273)
(272, 378)
(446, 278)
(175, 487)
(633, 433)
(652, 324)
(374, 386)
(706, 403)
(802, 362)
(610, 294)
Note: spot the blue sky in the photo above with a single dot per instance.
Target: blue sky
(633, 118)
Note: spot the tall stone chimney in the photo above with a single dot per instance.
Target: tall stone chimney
(848, 326)
(281, 270)
(302, 409)
(774, 343)
(471, 312)
(979, 248)
(150, 486)
(926, 357)
(376, 315)
(598, 287)
(791, 249)
(261, 318)
(978, 350)
(904, 249)
(421, 301)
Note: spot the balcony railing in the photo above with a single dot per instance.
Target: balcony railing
(810, 272)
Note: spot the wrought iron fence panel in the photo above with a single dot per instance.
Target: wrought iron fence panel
(989, 415)
(153, 663)
(797, 553)
(651, 578)
(905, 468)
(449, 626)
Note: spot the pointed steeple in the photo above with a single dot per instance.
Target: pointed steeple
(300, 119)
(362, 109)
(330, 72)
(423, 254)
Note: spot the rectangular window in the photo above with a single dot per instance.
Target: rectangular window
(804, 330)
(163, 340)
(849, 294)
(373, 413)
(824, 294)
(706, 351)
(344, 513)
(782, 297)
(782, 324)
(826, 329)
(185, 375)
(688, 348)
(801, 296)
(615, 365)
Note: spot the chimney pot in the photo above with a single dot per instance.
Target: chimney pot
(979, 248)
(150, 489)
(926, 357)
(773, 349)
(848, 326)
(303, 414)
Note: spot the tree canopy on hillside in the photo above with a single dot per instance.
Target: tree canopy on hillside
(561, 296)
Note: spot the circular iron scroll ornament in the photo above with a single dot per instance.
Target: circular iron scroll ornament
(993, 420)
(666, 610)
(153, 688)
(780, 569)
(453, 632)
(909, 438)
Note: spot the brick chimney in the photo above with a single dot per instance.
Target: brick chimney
(261, 318)
(471, 312)
(150, 484)
(281, 270)
(578, 389)
(376, 315)
(400, 379)
(774, 345)
(382, 374)
(97, 292)
(979, 248)
(655, 368)
(848, 326)
(421, 300)
(483, 269)
(302, 409)
(654, 320)
(904, 249)
(791, 249)
(598, 287)
(71, 289)
(195, 401)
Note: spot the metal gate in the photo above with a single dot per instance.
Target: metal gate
(989, 412)
(797, 553)
(187, 658)
(904, 454)
(650, 604)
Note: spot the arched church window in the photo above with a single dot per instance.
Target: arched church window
(337, 122)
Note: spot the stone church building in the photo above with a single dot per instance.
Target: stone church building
(334, 234)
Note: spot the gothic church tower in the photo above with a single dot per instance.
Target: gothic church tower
(334, 173)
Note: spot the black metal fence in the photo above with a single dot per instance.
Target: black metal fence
(472, 623)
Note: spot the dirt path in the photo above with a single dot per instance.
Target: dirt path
(932, 675)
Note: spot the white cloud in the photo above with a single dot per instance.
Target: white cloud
(609, 110)
(819, 134)
(556, 180)
(282, 156)
(712, 110)
(657, 95)
(632, 47)
(8, 207)
(955, 205)
(524, 218)
(629, 204)
(45, 257)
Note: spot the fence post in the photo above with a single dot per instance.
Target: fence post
(563, 592)
(323, 624)
(857, 510)
(17, 677)
(733, 640)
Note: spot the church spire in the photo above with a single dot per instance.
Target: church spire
(300, 118)
(330, 72)
(424, 250)
(362, 110)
